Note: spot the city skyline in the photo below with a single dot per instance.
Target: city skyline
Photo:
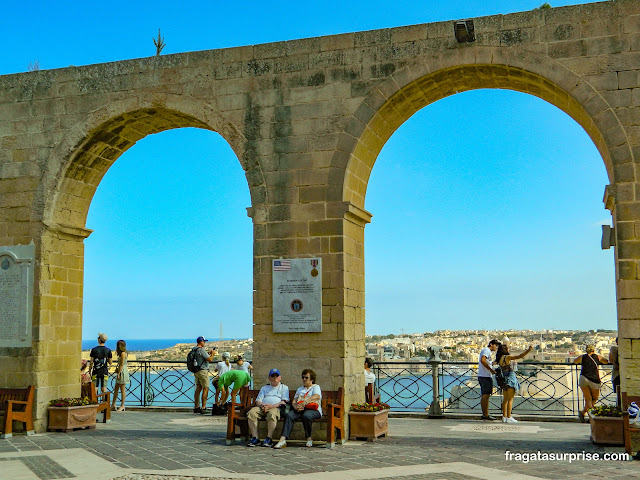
(494, 220)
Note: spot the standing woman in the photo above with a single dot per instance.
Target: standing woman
(507, 365)
(589, 378)
(306, 405)
(122, 376)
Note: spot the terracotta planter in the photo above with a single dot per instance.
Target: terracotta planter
(72, 418)
(369, 425)
(606, 430)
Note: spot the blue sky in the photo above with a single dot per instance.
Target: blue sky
(494, 223)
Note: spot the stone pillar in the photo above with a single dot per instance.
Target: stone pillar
(625, 213)
(57, 335)
(333, 231)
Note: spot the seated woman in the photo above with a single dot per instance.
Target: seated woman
(307, 406)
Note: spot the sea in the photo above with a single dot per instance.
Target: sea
(145, 344)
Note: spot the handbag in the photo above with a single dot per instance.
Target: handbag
(310, 405)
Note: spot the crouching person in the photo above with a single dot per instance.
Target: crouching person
(307, 406)
(268, 402)
(237, 378)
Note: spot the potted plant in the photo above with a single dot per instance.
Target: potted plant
(606, 425)
(68, 414)
(368, 420)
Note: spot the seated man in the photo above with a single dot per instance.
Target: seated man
(268, 402)
(238, 378)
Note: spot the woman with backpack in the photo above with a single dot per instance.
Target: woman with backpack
(589, 378)
(507, 363)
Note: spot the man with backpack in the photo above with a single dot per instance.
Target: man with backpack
(484, 377)
(198, 362)
(99, 363)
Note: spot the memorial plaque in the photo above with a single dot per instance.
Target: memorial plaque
(297, 295)
(16, 295)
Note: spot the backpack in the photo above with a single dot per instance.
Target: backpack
(500, 379)
(99, 363)
(193, 365)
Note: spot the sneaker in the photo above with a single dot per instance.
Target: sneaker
(203, 411)
(281, 444)
(511, 420)
(504, 419)
(488, 417)
(197, 410)
(267, 442)
(254, 442)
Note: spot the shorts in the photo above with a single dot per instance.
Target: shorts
(100, 379)
(585, 382)
(256, 414)
(202, 378)
(486, 385)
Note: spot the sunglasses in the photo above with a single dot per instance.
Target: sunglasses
(306, 377)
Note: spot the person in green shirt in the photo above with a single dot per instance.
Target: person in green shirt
(239, 378)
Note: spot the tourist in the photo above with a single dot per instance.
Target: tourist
(222, 367)
(615, 372)
(589, 378)
(202, 376)
(243, 364)
(99, 364)
(369, 376)
(307, 406)
(485, 378)
(268, 402)
(122, 375)
(507, 363)
(84, 372)
(237, 378)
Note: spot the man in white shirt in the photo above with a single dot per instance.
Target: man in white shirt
(268, 402)
(221, 368)
(484, 377)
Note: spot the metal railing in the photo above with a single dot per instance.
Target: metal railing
(546, 389)
(158, 384)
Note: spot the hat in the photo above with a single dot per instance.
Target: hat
(201, 339)
(226, 355)
(102, 337)
(274, 371)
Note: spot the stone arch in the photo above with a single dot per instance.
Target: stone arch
(74, 169)
(388, 105)
(84, 155)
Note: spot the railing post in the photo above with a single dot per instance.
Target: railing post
(434, 361)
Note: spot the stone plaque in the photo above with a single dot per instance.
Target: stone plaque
(297, 295)
(16, 295)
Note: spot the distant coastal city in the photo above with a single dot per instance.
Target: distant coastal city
(455, 345)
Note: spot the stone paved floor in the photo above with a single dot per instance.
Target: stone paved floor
(155, 445)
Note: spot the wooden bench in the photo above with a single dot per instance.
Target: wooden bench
(332, 415)
(102, 399)
(627, 429)
(17, 406)
(369, 394)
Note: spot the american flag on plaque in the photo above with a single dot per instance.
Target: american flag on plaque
(281, 265)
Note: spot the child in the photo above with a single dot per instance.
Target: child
(243, 365)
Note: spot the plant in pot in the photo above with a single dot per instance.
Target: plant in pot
(368, 420)
(68, 414)
(606, 425)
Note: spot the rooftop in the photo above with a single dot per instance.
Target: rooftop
(138, 445)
